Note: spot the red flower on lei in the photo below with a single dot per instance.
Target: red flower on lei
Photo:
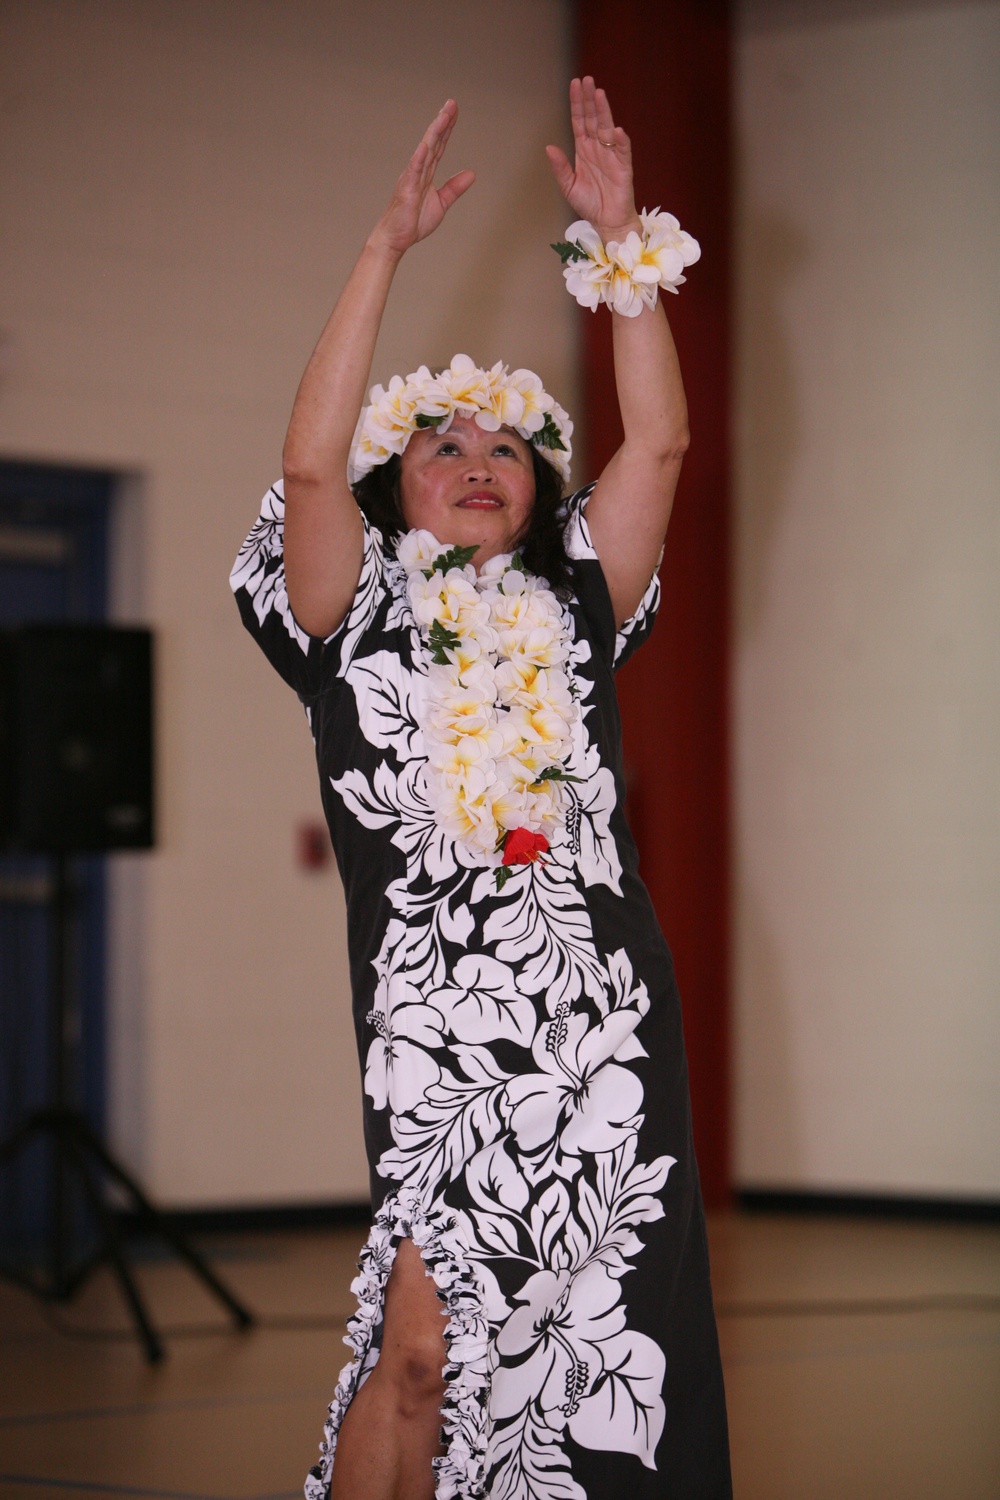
(522, 847)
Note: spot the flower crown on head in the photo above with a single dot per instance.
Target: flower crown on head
(494, 398)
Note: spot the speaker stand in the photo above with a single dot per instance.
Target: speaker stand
(79, 1155)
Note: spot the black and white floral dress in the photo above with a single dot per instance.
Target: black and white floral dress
(526, 1101)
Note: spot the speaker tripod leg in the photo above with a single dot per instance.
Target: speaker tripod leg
(153, 1219)
(10, 1148)
(111, 1249)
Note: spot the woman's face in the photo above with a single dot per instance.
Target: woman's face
(468, 487)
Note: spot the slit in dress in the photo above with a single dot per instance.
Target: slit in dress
(434, 1229)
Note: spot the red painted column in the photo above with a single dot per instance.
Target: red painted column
(666, 68)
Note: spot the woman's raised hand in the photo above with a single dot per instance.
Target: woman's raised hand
(417, 206)
(598, 186)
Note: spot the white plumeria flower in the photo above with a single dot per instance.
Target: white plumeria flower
(467, 656)
(512, 806)
(454, 688)
(417, 550)
(498, 713)
(448, 598)
(467, 387)
(646, 269)
(548, 805)
(660, 227)
(510, 612)
(465, 809)
(548, 690)
(542, 725)
(512, 583)
(514, 678)
(627, 275)
(537, 401)
(561, 420)
(599, 278)
(492, 397)
(493, 570)
(366, 454)
(477, 748)
(506, 407)
(541, 645)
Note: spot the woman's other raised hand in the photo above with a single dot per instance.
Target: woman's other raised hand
(598, 186)
(417, 206)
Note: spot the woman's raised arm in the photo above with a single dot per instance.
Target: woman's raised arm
(323, 534)
(630, 507)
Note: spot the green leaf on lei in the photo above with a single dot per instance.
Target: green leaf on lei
(556, 773)
(423, 420)
(568, 250)
(441, 640)
(548, 435)
(455, 557)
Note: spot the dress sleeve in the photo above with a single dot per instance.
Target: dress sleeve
(306, 662)
(593, 589)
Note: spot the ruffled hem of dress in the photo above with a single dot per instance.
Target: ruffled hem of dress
(460, 1471)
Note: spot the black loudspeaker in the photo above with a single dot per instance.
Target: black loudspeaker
(76, 774)
(76, 738)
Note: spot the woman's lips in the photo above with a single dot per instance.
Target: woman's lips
(480, 502)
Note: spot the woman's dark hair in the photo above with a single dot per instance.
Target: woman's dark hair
(541, 544)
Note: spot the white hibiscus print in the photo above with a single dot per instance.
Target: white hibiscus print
(566, 1352)
(579, 1098)
(399, 1068)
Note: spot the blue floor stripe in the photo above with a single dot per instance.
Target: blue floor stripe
(91, 1488)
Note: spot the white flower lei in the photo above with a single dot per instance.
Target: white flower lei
(626, 275)
(499, 708)
(495, 398)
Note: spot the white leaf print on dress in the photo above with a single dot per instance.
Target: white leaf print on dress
(383, 689)
(594, 801)
(483, 1003)
(255, 572)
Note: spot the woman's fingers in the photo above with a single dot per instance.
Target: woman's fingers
(590, 107)
(605, 119)
(559, 161)
(590, 114)
(576, 112)
(442, 121)
(455, 187)
(437, 137)
(412, 174)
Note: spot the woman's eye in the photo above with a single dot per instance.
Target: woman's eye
(448, 448)
(505, 449)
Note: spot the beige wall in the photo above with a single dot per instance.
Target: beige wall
(867, 671)
(184, 186)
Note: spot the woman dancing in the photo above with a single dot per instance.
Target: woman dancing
(535, 1320)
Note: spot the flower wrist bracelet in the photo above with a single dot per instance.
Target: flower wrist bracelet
(627, 275)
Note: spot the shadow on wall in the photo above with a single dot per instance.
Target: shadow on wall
(772, 1116)
(770, 1113)
(775, 251)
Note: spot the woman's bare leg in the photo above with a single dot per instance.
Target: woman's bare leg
(392, 1428)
